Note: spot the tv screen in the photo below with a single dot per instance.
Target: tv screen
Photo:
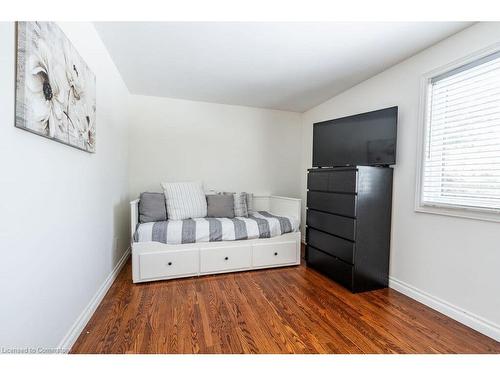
(364, 139)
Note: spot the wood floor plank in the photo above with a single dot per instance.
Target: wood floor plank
(282, 310)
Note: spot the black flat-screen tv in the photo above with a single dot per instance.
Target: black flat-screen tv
(363, 139)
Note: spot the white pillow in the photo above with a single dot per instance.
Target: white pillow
(185, 200)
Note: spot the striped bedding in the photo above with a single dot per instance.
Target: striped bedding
(259, 224)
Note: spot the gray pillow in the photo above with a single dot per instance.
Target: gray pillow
(220, 205)
(249, 202)
(152, 207)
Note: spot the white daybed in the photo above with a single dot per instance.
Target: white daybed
(157, 261)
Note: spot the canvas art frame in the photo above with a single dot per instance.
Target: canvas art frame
(55, 88)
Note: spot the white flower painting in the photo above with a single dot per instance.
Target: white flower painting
(55, 89)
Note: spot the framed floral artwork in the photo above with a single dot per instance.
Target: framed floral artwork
(55, 89)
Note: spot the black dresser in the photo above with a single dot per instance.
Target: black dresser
(349, 225)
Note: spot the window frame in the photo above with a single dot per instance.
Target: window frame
(477, 213)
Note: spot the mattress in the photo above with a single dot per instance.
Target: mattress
(259, 224)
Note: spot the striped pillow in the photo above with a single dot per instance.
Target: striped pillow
(240, 205)
(185, 200)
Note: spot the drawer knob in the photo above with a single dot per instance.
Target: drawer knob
(169, 263)
(275, 254)
(226, 258)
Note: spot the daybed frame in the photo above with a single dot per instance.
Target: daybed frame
(157, 261)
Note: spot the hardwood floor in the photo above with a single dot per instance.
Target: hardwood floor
(285, 310)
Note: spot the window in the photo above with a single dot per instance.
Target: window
(461, 144)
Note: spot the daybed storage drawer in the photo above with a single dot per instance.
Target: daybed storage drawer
(274, 254)
(169, 264)
(216, 259)
(333, 181)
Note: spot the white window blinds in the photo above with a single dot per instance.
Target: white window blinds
(461, 164)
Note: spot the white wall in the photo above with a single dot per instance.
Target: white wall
(230, 148)
(456, 260)
(61, 208)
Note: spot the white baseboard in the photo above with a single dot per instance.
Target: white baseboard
(465, 317)
(76, 329)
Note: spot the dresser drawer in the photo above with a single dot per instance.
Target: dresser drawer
(169, 264)
(341, 204)
(338, 225)
(336, 246)
(332, 181)
(274, 254)
(332, 267)
(217, 259)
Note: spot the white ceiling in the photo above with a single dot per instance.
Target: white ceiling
(287, 66)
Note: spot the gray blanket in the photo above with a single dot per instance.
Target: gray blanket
(260, 224)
